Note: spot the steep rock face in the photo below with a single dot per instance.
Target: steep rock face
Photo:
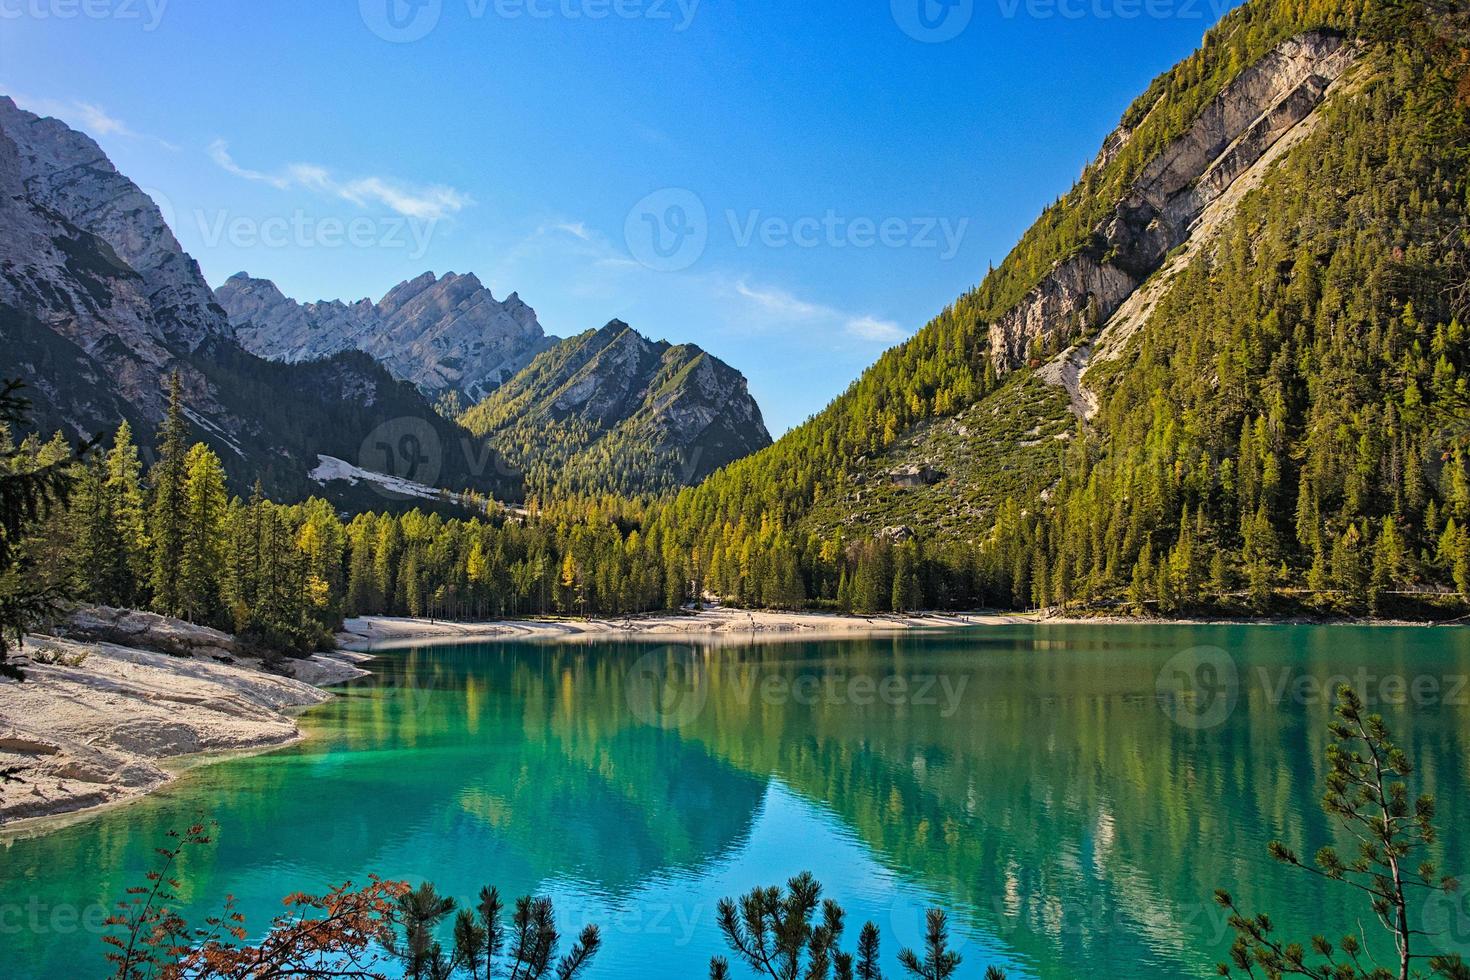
(700, 401)
(611, 409)
(1232, 132)
(276, 327)
(441, 334)
(70, 301)
(67, 173)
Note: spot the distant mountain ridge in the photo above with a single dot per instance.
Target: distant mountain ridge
(442, 334)
(100, 305)
(611, 410)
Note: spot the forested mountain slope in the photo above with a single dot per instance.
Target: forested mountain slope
(1270, 258)
(612, 411)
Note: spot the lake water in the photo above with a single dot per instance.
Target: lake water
(1071, 795)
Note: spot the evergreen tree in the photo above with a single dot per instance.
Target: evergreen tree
(125, 484)
(30, 488)
(99, 553)
(202, 550)
(168, 510)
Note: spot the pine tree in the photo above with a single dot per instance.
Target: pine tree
(168, 511)
(30, 489)
(1388, 559)
(99, 556)
(202, 552)
(125, 483)
(906, 590)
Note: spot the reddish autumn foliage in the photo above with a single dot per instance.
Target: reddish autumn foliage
(343, 933)
(349, 933)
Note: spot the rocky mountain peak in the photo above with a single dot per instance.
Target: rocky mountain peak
(67, 172)
(442, 333)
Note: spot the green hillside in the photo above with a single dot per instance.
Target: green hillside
(1292, 416)
(609, 411)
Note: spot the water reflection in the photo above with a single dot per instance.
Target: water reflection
(1024, 778)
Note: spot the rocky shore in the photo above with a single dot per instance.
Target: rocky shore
(113, 709)
(375, 632)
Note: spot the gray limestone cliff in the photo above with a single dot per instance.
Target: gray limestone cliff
(1232, 132)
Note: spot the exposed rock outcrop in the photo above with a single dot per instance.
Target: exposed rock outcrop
(66, 173)
(1240, 125)
(95, 722)
(441, 334)
(915, 475)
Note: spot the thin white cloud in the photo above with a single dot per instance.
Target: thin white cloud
(219, 151)
(89, 117)
(576, 229)
(874, 329)
(595, 267)
(781, 305)
(96, 119)
(428, 203)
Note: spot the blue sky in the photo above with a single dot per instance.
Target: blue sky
(794, 186)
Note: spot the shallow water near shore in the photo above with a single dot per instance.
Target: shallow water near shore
(1071, 795)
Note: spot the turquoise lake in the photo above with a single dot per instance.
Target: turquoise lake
(1071, 795)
